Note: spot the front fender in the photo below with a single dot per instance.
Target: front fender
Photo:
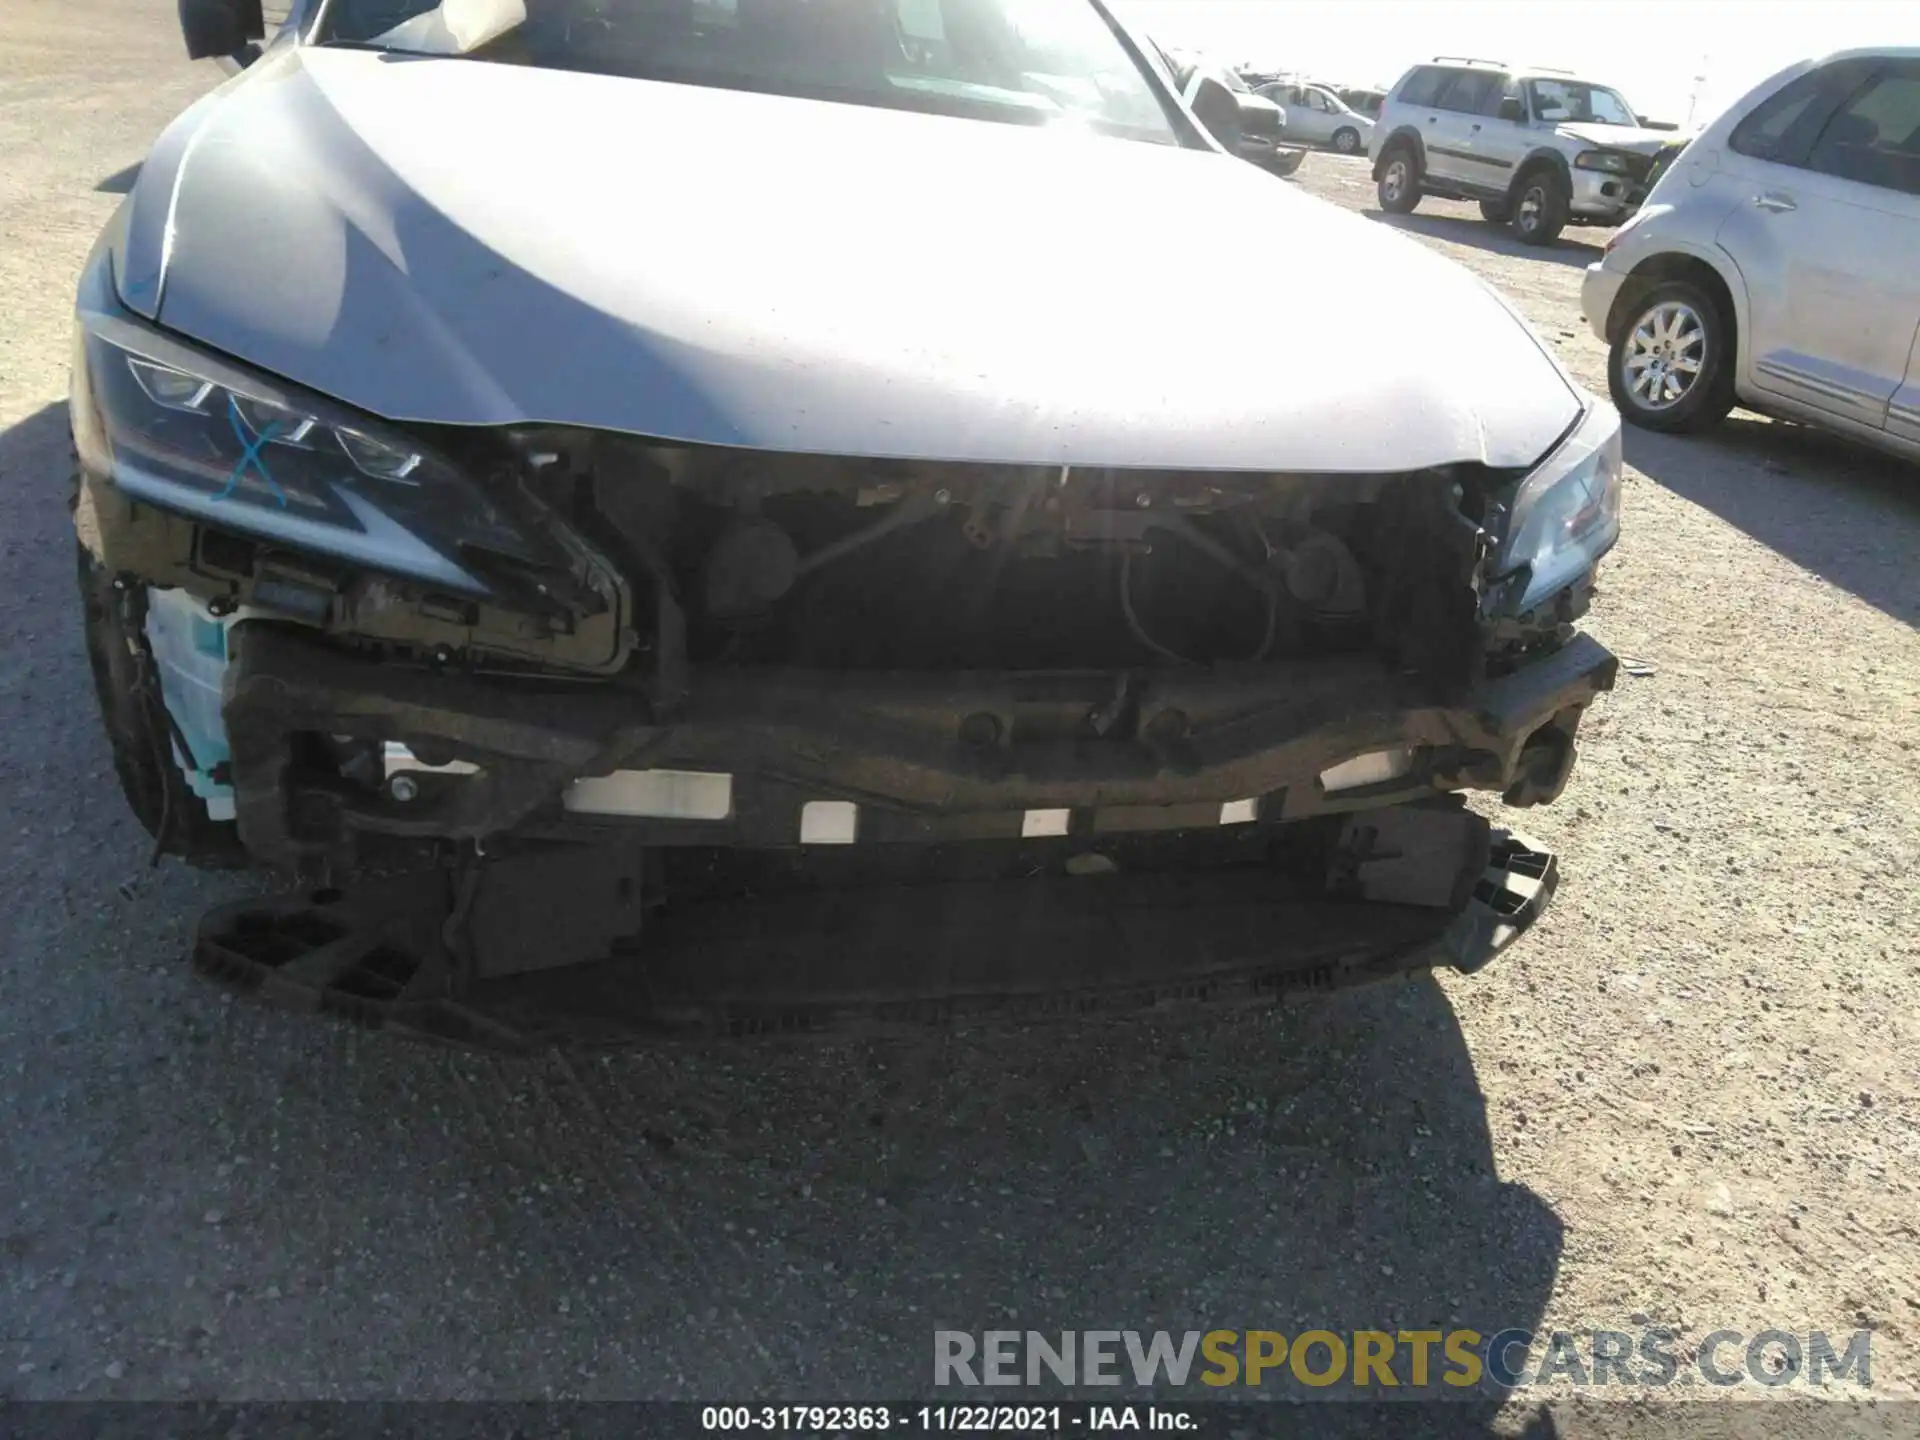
(1654, 264)
(141, 257)
(1404, 134)
(1543, 155)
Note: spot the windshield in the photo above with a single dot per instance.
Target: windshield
(1034, 62)
(1578, 101)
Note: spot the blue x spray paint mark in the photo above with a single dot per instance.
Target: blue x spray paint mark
(250, 455)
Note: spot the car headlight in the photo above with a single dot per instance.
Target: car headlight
(197, 434)
(1566, 514)
(1611, 161)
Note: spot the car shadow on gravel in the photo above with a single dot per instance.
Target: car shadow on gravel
(121, 182)
(1326, 1166)
(36, 543)
(1848, 514)
(796, 1220)
(1485, 236)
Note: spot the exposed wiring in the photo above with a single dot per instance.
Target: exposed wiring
(1268, 552)
(911, 511)
(146, 696)
(1273, 622)
(166, 742)
(1140, 630)
(1133, 620)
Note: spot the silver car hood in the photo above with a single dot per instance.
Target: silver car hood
(476, 244)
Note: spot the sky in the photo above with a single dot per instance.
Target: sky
(1649, 50)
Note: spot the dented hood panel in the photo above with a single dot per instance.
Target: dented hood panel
(1633, 140)
(472, 243)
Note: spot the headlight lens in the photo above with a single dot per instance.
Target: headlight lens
(1611, 161)
(1566, 514)
(197, 434)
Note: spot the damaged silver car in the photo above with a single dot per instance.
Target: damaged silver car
(566, 444)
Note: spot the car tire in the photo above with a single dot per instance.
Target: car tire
(1495, 212)
(1347, 140)
(1284, 163)
(1541, 207)
(134, 717)
(1670, 325)
(1399, 184)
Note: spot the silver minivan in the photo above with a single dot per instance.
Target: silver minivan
(1777, 263)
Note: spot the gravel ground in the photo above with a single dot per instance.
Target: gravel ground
(1689, 1097)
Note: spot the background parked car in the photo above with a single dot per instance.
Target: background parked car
(1365, 102)
(1250, 125)
(1775, 263)
(1538, 149)
(1317, 116)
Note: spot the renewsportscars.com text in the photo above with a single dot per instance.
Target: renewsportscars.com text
(1381, 1360)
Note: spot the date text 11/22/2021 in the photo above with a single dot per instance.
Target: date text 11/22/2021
(935, 1419)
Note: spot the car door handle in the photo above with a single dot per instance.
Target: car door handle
(1476, 127)
(1774, 201)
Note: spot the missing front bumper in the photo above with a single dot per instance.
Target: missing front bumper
(890, 757)
(425, 954)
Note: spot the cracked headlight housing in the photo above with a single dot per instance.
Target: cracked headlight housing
(1566, 514)
(194, 433)
(1611, 161)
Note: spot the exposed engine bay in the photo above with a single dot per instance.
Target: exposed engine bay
(683, 557)
(902, 566)
(514, 577)
(720, 646)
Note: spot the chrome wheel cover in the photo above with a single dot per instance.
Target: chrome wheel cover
(1663, 355)
(1533, 206)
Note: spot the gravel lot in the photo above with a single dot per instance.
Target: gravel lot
(1691, 1096)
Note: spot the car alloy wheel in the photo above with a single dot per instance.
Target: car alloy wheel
(1533, 207)
(1664, 354)
(1393, 184)
(1347, 142)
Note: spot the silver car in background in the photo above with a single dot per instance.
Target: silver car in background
(1777, 263)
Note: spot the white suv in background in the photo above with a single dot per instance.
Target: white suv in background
(1538, 149)
(1778, 262)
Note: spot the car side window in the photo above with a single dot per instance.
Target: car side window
(1783, 126)
(1468, 91)
(1763, 134)
(1508, 89)
(1874, 137)
(1422, 87)
(363, 19)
